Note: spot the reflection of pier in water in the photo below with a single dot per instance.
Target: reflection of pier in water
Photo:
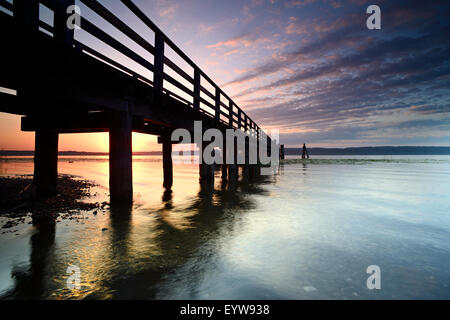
(137, 255)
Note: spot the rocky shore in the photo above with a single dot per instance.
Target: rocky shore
(19, 200)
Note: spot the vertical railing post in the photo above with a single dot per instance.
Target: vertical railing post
(239, 118)
(27, 13)
(196, 89)
(62, 32)
(230, 113)
(258, 137)
(217, 104)
(158, 73)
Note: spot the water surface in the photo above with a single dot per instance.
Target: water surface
(309, 232)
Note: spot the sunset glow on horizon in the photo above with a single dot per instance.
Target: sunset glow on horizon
(308, 68)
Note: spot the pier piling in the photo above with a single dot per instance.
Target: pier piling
(206, 170)
(167, 163)
(224, 160)
(120, 158)
(46, 162)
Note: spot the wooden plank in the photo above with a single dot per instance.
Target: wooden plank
(224, 105)
(178, 70)
(106, 38)
(174, 95)
(177, 84)
(97, 54)
(206, 91)
(210, 105)
(151, 25)
(116, 22)
(5, 4)
(207, 113)
(130, 5)
(46, 26)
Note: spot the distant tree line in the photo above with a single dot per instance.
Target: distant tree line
(358, 151)
(404, 150)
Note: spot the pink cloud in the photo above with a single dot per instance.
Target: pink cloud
(298, 3)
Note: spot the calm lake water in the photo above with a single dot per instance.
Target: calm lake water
(309, 232)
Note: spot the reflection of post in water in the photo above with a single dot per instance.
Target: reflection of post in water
(120, 222)
(304, 168)
(167, 199)
(206, 193)
(280, 168)
(216, 214)
(2, 159)
(31, 284)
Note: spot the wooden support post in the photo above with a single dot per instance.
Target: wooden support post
(120, 158)
(27, 12)
(233, 170)
(230, 114)
(158, 74)
(196, 89)
(258, 139)
(281, 151)
(239, 118)
(62, 33)
(206, 170)
(245, 167)
(217, 114)
(46, 162)
(258, 146)
(224, 163)
(167, 163)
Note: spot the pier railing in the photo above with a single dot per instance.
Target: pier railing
(226, 112)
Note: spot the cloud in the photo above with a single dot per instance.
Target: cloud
(168, 12)
(298, 3)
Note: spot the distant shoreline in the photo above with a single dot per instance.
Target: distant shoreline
(357, 151)
(371, 151)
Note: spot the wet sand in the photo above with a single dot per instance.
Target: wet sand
(19, 200)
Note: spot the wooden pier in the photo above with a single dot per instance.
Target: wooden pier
(66, 86)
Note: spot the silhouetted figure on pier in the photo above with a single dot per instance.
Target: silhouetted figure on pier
(305, 154)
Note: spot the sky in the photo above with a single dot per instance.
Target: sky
(309, 68)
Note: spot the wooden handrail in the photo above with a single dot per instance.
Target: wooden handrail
(27, 11)
(130, 5)
(5, 4)
(117, 23)
(100, 34)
